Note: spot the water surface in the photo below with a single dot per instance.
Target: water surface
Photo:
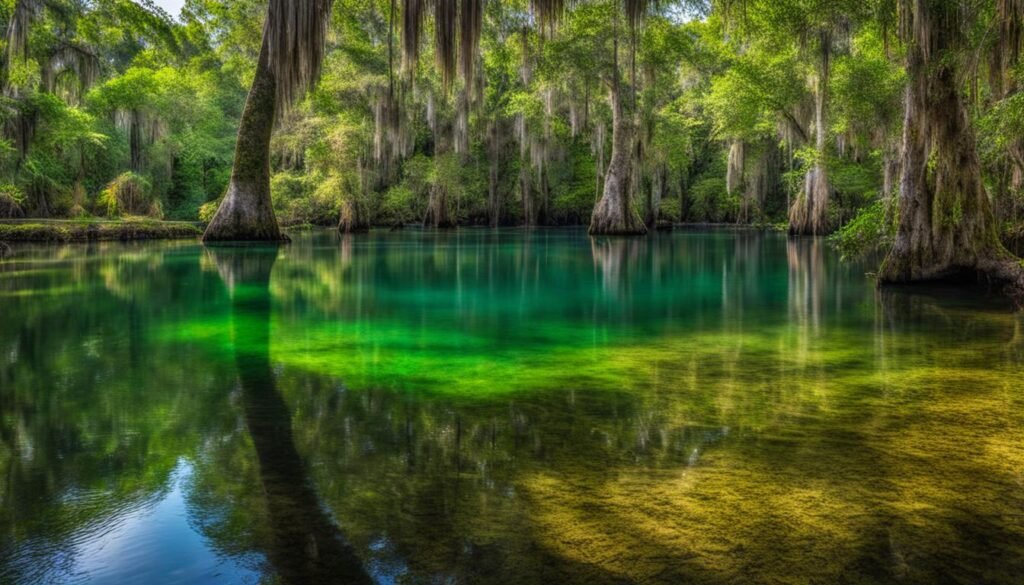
(502, 407)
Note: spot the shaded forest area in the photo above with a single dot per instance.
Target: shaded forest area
(897, 122)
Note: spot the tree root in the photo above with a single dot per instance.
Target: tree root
(613, 218)
(245, 215)
(1001, 272)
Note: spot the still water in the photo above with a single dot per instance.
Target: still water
(502, 407)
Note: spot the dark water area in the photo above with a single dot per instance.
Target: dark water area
(502, 407)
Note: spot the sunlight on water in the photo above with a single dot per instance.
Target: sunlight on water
(504, 406)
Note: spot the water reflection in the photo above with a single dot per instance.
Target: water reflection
(306, 546)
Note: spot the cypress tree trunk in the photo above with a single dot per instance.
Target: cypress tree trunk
(809, 213)
(614, 213)
(946, 226)
(247, 214)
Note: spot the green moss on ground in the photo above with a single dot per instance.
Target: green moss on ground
(77, 231)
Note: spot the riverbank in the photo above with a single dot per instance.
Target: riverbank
(96, 231)
(64, 231)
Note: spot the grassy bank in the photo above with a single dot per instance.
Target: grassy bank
(95, 231)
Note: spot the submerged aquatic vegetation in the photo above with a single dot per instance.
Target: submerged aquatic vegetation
(762, 411)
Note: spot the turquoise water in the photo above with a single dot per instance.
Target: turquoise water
(502, 407)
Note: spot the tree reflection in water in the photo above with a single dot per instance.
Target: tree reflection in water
(307, 546)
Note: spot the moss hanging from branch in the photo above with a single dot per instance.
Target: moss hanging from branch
(296, 32)
(11, 202)
(71, 60)
(471, 18)
(413, 14)
(809, 212)
(445, 31)
(24, 13)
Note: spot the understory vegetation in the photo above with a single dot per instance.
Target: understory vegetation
(789, 112)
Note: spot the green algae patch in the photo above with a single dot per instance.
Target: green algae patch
(78, 231)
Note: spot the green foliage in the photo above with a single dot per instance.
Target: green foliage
(671, 210)
(574, 195)
(867, 89)
(747, 99)
(12, 201)
(130, 194)
(710, 202)
(870, 232)
(399, 206)
(158, 100)
(856, 185)
(208, 210)
(291, 193)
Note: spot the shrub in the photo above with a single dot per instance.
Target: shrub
(670, 209)
(128, 194)
(711, 202)
(871, 231)
(12, 201)
(400, 206)
(209, 209)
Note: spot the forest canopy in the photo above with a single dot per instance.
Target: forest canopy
(504, 112)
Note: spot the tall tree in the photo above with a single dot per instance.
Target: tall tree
(615, 213)
(289, 63)
(946, 226)
(809, 213)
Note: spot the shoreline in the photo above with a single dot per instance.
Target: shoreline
(69, 231)
(79, 231)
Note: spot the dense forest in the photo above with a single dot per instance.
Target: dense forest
(896, 124)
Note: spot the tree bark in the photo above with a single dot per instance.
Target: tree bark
(809, 213)
(946, 226)
(247, 213)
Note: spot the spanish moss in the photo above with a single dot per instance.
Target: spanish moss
(296, 34)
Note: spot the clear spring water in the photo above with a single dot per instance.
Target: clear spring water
(502, 407)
